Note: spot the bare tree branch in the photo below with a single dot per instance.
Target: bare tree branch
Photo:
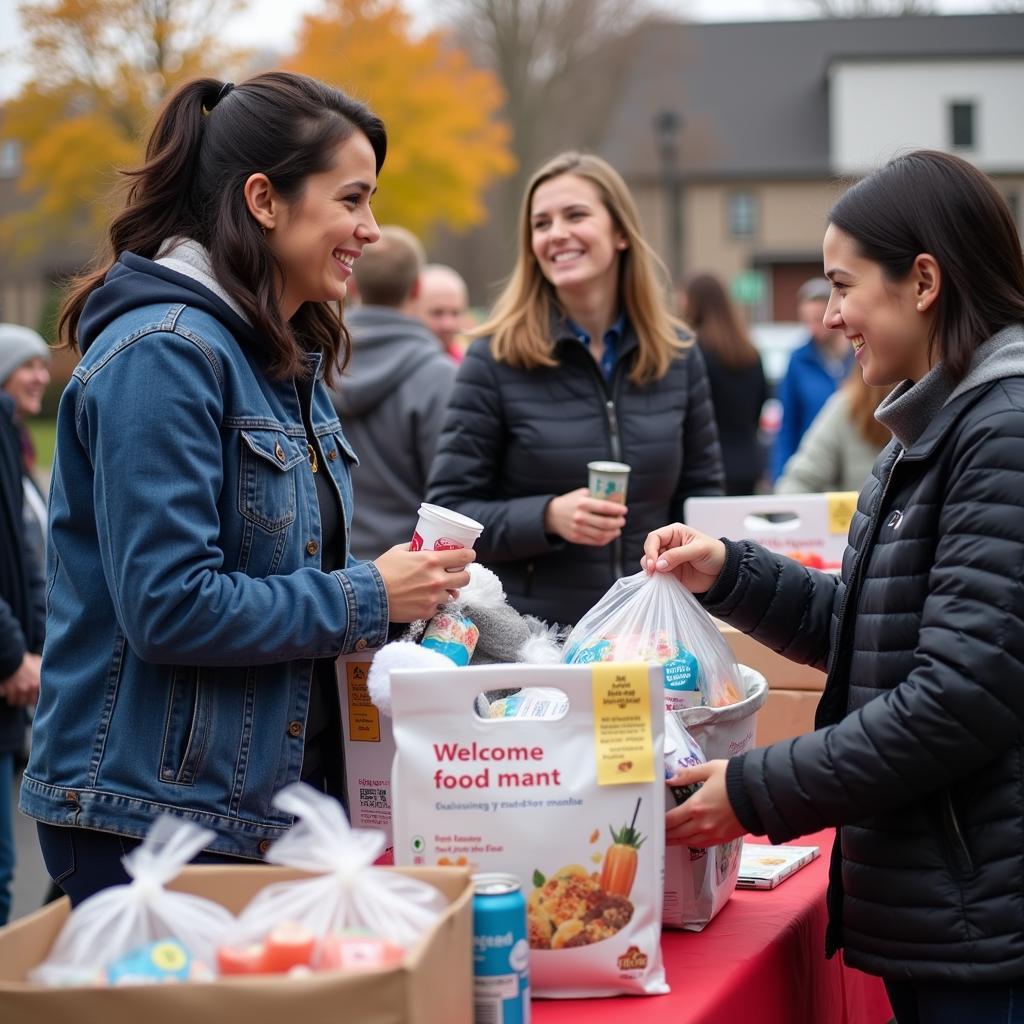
(870, 8)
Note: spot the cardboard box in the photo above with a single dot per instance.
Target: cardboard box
(780, 672)
(786, 713)
(811, 528)
(434, 985)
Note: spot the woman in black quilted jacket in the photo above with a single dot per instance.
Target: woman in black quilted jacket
(918, 755)
(582, 362)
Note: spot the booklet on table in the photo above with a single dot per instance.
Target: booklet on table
(763, 867)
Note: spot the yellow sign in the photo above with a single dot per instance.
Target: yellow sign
(622, 724)
(841, 506)
(363, 716)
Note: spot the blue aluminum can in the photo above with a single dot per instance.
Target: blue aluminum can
(501, 953)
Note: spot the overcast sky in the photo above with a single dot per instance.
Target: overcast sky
(273, 24)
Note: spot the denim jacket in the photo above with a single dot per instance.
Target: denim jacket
(185, 599)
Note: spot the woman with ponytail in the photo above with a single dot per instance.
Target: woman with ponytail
(199, 577)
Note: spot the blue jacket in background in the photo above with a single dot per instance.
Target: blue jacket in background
(807, 386)
(185, 599)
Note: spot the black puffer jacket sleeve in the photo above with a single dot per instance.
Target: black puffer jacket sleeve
(961, 706)
(465, 470)
(703, 471)
(12, 642)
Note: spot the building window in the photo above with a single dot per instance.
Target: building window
(742, 215)
(961, 125)
(10, 158)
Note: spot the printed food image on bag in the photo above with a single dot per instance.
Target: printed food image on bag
(572, 806)
(576, 907)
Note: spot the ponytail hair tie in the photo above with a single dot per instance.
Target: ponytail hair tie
(224, 90)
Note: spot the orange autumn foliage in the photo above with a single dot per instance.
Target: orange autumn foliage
(100, 69)
(446, 144)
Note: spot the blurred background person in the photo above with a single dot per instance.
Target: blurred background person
(582, 361)
(393, 397)
(841, 445)
(738, 386)
(443, 306)
(21, 631)
(815, 370)
(24, 376)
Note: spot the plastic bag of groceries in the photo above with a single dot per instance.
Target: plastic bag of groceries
(657, 620)
(699, 882)
(348, 915)
(142, 932)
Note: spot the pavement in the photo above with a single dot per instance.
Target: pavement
(31, 881)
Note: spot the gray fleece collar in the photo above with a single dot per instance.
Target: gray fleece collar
(186, 256)
(911, 406)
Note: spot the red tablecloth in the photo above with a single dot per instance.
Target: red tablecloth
(762, 959)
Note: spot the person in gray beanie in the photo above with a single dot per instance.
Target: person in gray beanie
(21, 594)
(24, 376)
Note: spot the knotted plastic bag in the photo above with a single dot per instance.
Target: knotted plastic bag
(120, 921)
(346, 892)
(656, 619)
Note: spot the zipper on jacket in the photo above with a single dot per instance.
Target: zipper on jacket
(963, 861)
(834, 895)
(616, 443)
(869, 540)
(607, 392)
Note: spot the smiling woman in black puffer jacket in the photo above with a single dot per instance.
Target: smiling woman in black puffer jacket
(582, 362)
(919, 750)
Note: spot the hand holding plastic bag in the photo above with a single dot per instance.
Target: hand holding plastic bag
(123, 919)
(656, 619)
(347, 892)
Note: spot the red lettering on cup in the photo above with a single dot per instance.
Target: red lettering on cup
(446, 544)
(416, 544)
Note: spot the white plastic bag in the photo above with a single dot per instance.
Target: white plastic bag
(698, 882)
(347, 892)
(123, 919)
(657, 620)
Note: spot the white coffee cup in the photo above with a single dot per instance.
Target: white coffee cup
(608, 481)
(440, 529)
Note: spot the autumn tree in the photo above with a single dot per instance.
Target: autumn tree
(559, 62)
(446, 143)
(99, 69)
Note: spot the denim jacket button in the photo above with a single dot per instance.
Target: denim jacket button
(264, 845)
(332, 454)
(279, 452)
(360, 645)
(294, 728)
(71, 796)
(312, 548)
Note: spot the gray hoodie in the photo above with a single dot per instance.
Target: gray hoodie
(911, 406)
(391, 402)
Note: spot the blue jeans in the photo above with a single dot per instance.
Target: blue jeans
(83, 861)
(6, 832)
(946, 1003)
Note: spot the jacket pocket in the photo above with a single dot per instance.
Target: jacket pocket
(266, 483)
(186, 728)
(959, 855)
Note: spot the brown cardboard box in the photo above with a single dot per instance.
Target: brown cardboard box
(433, 986)
(786, 713)
(793, 690)
(780, 672)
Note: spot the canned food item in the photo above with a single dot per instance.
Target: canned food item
(501, 953)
